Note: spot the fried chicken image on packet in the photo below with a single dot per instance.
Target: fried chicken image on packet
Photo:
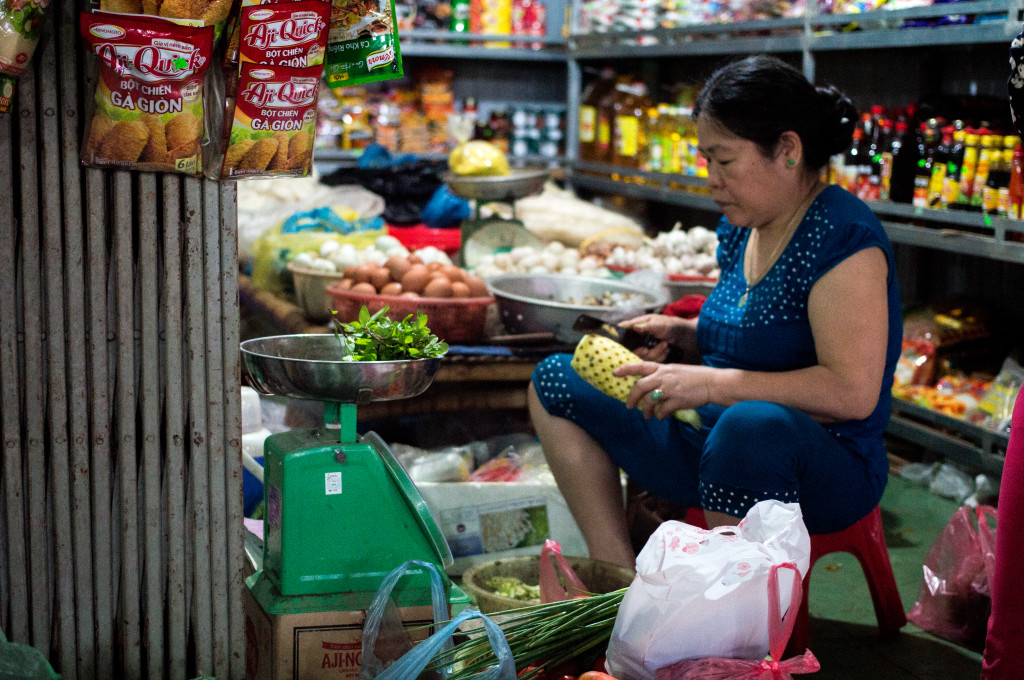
(210, 12)
(148, 105)
(274, 118)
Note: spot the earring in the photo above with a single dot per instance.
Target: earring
(791, 161)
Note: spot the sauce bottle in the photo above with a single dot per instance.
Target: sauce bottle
(969, 167)
(997, 171)
(1016, 189)
(904, 164)
(954, 166)
(589, 100)
(1010, 144)
(851, 164)
(977, 202)
(875, 149)
(885, 161)
(629, 124)
(605, 118)
(925, 161)
(654, 157)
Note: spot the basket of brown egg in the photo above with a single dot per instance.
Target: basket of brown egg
(454, 300)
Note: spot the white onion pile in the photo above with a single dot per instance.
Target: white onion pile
(554, 258)
(337, 257)
(687, 252)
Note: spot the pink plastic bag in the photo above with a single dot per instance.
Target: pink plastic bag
(551, 588)
(779, 630)
(954, 600)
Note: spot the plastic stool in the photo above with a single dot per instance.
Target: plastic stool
(865, 541)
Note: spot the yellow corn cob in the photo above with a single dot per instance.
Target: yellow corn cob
(597, 356)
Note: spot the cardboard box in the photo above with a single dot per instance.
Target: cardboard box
(484, 521)
(319, 637)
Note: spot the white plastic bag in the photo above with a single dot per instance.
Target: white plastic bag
(700, 593)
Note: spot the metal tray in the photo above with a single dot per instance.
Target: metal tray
(309, 366)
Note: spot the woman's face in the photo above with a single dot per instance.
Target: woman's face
(750, 188)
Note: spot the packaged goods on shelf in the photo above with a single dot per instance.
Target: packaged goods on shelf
(491, 17)
(995, 409)
(935, 163)
(418, 119)
(529, 17)
(423, 14)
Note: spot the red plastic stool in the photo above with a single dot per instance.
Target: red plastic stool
(865, 541)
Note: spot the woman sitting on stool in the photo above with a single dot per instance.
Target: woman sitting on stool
(798, 341)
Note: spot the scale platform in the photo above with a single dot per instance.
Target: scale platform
(341, 512)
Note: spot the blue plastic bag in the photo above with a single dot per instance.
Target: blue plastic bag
(325, 219)
(382, 609)
(414, 661)
(444, 209)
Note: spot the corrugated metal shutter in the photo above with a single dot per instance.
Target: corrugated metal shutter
(120, 421)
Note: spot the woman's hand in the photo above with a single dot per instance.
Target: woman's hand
(680, 386)
(668, 330)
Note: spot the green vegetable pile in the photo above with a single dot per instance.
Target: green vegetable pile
(512, 587)
(377, 338)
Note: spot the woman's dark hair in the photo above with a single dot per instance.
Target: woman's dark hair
(760, 97)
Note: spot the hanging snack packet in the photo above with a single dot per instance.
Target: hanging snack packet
(21, 23)
(285, 34)
(149, 97)
(273, 127)
(363, 43)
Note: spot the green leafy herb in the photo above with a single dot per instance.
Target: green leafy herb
(377, 338)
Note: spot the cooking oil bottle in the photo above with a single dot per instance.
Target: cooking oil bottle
(589, 100)
(629, 124)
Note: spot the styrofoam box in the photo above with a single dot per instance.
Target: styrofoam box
(485, 521)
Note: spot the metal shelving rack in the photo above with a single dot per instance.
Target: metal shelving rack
(957, 232)
(449, 45)
(967, 233)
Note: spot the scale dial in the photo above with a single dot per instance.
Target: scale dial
(494, 236)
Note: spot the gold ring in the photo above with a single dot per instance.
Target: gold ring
(656, 394)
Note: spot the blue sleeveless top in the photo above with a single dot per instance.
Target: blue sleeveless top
(772, 332)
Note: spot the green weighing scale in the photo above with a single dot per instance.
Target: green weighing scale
(341, 512)
(482, 236)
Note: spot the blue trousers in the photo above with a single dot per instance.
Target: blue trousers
(748, 452)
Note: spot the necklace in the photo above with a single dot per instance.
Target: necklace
(794, 222)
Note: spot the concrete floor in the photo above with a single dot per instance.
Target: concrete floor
(843, 628)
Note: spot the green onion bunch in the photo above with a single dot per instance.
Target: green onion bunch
(545, 635)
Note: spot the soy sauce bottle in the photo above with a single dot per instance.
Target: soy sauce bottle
(904, 152)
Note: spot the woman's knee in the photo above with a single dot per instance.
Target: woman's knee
(753, 435)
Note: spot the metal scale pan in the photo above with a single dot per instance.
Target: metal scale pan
(310, 366)
(519, 183)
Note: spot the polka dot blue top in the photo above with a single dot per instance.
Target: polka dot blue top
(771, 330)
